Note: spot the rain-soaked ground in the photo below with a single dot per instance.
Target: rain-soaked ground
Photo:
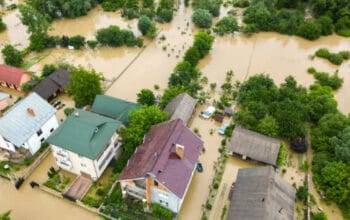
(137, 68)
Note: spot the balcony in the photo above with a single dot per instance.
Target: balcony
(135, 192)
(67, 165)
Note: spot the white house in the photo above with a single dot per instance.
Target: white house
(27, 124)
(86, 143)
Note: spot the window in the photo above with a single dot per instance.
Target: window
(51, 130)
(155, 183)
(83, 165)
(40, 132)
(42, 140)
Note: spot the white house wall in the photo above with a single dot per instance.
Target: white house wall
(6, 145)
(166, 199)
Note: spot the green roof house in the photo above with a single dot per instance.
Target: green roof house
(85, 143)
(113, 107)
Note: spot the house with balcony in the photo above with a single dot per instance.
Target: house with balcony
(86, 143)
(13, 77)
(26, 125)
(161, 169)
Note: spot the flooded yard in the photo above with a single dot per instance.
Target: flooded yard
(136, 68)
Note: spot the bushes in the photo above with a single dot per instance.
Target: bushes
(325, 79)
(92, 43)
(335, 58)
(146, 97)
(12, 56)
(241, 3)
(282, 156)
(202, 18)
(77, 42)
(113, 36)
(213, 6)
(165, 11)
(147, 27)
(309, 30)
(112, 5)
(227, 25)
(302, 193)
(2, 25)
(319, 216)
(162, 213)
(169, 94)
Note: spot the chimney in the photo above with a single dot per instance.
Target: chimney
(180, 151)
(31, 112)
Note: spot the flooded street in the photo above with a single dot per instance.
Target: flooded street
(133, 69)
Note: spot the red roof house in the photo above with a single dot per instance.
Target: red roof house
(13, 77)
(161, 169)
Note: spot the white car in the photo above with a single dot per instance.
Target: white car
(223, 128)
(208, 112)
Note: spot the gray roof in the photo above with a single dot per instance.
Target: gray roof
(254, 145)
(18, 125)
(182, 107)
(3, 96)
(260, 194)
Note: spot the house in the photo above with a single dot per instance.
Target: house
(85, 143)
(53, 84)
(182, 107)
(261, 194)
(255, 146)
(13, 77)
(27, 124)
(115, 108)
(4, 100)
(161, 169)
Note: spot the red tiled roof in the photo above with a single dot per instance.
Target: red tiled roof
(157, 156)
(11, 75)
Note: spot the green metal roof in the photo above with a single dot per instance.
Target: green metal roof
(113, 107)
(85, 133)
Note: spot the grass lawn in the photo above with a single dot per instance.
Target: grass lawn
(14, 167)
(98, 191)
(58, 181)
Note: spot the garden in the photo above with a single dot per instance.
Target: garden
(58, 180)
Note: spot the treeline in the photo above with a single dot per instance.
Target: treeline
(335, 58)
(291, 17)
(288, 111)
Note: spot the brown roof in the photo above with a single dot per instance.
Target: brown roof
(11, 75)
(55, 82)
(254, 145)
(260, 194)
(156, 156)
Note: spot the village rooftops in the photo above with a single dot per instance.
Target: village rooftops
(182, 106)
(157, 156)
(55, 82)
(11, 75)
(25, 118)
(113, 107)
(260, 194)
(85, 133)
(254, 145)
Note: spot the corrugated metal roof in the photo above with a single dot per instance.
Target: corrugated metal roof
(3, 96)
(18, 124)
(11, 74)
(254, 145)
(260, 194)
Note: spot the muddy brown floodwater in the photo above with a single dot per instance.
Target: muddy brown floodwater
(138, 68)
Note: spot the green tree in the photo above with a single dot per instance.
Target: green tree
(169, 94)
(268, 126)
(202, 18)
(302, 193)
(77, 41)
(84, 85)
(227, 25)
(309, 30)
(48, 69)
(113, 36)
(5, 216)
(203, 41)
(192, 56)
(319, 216)
(147, 27)
(146, 97)
(12, 56)
(2, 25)
(341, 146)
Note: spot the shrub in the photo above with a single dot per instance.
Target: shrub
(335, 58)
(302, 193)
(112, 5)
(309, 30)
(325, 79)
(169, 94)
(68, 111)
(241, 3)
(192, 56)
(2, 25)
(165, 10)
(77, 42)
(202, 18)
(12, 56)
(319, 216)
(92, 43)
(282, 156)
(203, 42)
(147, 27)
(113, 36)
(227, 25)
(48, 69)
(146, 97)
(162, 212)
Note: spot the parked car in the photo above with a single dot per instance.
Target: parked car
(208, 112)
(223, 128)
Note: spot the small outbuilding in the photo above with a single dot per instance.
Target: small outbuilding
(53, 84)
(261, 194)
(182, 107)
(253, 145)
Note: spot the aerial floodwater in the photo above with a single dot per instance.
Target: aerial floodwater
(131, 69)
